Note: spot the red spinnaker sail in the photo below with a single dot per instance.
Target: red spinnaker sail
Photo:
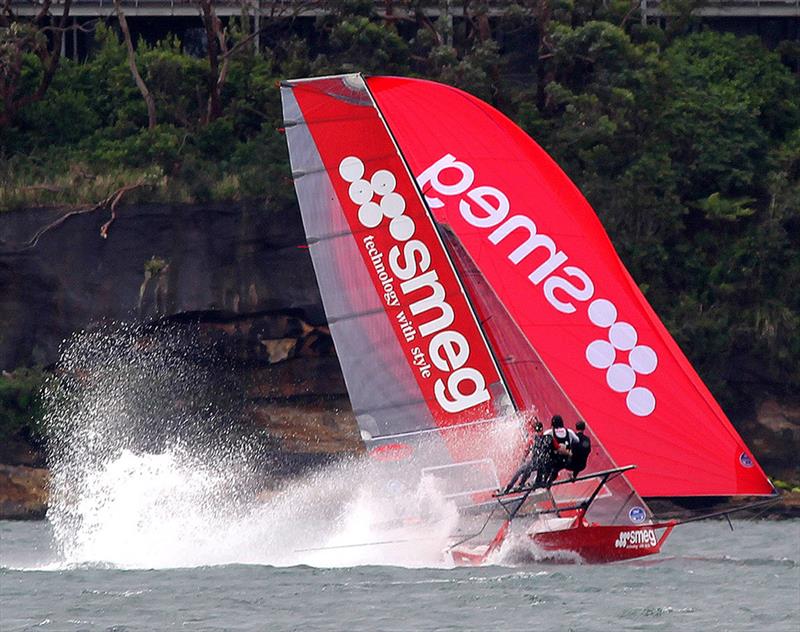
(543, 250)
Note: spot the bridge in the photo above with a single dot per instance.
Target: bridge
(650, 9)
(730, 9)
(772, 20)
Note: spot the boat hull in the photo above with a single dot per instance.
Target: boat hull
(583, 543)
(601, 544)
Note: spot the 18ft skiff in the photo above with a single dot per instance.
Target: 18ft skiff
(469, 286)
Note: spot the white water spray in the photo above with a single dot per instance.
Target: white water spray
(148, 472)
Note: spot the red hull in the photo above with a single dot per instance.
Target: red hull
(600, 544)
(593, 544)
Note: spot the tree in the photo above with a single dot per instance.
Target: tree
(20, 41)
(148, 98)
(220, 54)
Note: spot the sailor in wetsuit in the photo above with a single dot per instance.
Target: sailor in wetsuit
(580, 450)
(539, 460)
(561, 440)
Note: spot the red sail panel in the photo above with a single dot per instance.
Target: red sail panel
(544, 251)
(415, 288)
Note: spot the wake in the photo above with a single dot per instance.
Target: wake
(150, 469)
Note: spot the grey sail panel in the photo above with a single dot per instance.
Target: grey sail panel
(382, 389)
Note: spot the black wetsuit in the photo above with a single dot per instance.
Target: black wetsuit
(539, 460)
(580, 454)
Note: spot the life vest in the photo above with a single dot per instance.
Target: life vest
(560, 440)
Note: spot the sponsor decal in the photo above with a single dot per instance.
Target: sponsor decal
(618, 352)
(745, 460)
(637, 539)
(414, 293)
(637, 514)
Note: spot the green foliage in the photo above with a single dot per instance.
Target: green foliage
(20, 406)
(46, 118)
(154, 266)
(686, 142)
(732, 100)
(787, 487)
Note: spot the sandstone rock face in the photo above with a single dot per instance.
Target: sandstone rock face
(23, 492)
(781, 418)
(775, 439)
(224, 260)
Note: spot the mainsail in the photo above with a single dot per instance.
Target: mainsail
(541, 248)
(422, 380)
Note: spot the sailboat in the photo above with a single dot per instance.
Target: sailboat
(470, 289)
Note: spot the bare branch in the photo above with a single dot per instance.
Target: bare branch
(635, 5)
(43, 12)
(111, 203)
(241, 44)
(213, 27)
(7, 13)
(51, 188)
(222, 37)
(88, 27)
(148, 98)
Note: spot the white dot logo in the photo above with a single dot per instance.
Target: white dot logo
(383, 182)
(390, 204)
(370, 215)
(401, 228)
(600, 354)
(643, 359)
(640, 401)
(361, 192)
(623, 336)
(602, 312)
(351, 169)
(393, 205)
(621, 376)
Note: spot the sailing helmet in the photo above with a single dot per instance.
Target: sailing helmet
(580, 425)
(557, 421)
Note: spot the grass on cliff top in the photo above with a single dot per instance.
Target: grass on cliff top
(165, 164)
(79, 185)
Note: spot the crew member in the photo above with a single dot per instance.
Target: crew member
(581, 449)
(540, 460)
(562, 440)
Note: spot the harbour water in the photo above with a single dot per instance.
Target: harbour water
(161, 519)
(707, 578)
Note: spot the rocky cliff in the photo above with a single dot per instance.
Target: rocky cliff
(241, 274)
(223, 261)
